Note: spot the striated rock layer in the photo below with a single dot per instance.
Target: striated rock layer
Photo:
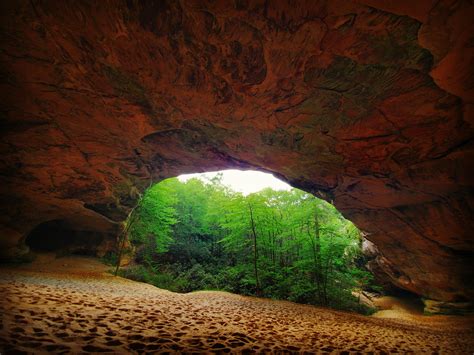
(368, 104)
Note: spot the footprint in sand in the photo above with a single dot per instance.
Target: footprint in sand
(146, 319)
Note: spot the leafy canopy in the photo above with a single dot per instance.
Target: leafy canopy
(282, 244)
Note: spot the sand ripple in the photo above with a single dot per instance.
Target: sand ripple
(45, 312)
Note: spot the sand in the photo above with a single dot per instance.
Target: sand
(73, 305)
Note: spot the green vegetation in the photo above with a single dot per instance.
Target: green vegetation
(280, 244)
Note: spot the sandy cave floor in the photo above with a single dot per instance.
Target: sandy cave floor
(73, 305)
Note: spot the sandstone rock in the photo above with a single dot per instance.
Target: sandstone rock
(366, 298)
(438, 307)
(369, 249)
(380, 267)
(366, 104)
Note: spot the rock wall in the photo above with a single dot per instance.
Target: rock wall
(367, 104)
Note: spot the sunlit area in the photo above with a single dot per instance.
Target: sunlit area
(248, 233)
(246, 182)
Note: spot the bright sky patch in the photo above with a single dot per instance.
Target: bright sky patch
(246, 182)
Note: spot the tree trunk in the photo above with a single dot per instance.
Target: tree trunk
(316, 249)
(123, 235)
(255, 252)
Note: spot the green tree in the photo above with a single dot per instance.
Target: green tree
(282, 244)
(150, 224)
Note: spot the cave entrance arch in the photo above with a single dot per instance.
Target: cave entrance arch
(317, 92)
(184, 225)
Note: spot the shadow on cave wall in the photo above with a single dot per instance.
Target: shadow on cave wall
(63, 237)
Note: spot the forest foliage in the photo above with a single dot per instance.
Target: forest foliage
(289, 245)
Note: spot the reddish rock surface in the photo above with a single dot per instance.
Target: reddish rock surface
(368, 104)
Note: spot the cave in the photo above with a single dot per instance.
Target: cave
(61, 237)
(367, 104)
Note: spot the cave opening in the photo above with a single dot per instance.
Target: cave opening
(63, 237)
(368, 104)
(248, 233)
